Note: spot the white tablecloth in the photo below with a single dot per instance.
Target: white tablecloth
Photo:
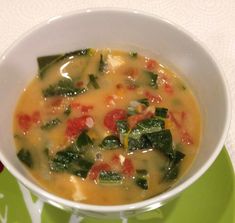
(211, 21)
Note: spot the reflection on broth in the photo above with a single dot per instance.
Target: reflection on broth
(106, 127)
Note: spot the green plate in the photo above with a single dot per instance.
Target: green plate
(209, 200)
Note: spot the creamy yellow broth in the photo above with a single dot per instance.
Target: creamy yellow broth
(123, 78)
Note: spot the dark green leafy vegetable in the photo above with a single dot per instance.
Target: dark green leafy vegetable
(102, 64)
(144, 101)
(172, 170)
(152, 78)
(131, 111)
(147, 126)
(82, 52)
(122, 126)
(141, 143)
(111, 142)
(69, 160)
(161, 112)
(110, 177)
(45, 62)
(133, 54)
(67, 110)
(141, 178)
(64, 87)
(93, 81)
(83, 140)
(162, 141)
(50, 124)
(141, 182)
(25, 157)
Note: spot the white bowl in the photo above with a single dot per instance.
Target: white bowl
(128, 30)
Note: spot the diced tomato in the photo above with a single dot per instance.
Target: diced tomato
(174, 120)
(151, 64)
(128, 167)
(168, 88)
(86, 108)
(113, 116)
(76, 125)
(1, 167)
(36, 117)
(24, 122)
(186, 138)
(134, 119)
(56, 102)
(96, 169)
(153, 98)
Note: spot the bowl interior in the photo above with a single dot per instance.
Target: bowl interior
(122, 30)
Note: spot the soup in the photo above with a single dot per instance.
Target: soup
(106, 127)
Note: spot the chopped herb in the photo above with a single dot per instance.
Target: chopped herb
(83, 140)
(68, 110)
(93, 81)
(122, 126)
(25, 157)
(111, 142)
(133, 54)
(102, 64)
(50, 124)
(161, 112)
(144, 101)
(153, 78)
(64, 87)
(110, 177)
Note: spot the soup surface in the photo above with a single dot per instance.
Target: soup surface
(106, 127)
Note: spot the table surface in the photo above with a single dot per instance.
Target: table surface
(211, 21)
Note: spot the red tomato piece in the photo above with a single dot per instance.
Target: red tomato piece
(128, 167)
(1, 167)
(86, 108)
(153, 98)
(24, 122)
(36, 117)
(96, 169)
(76, 125)
(113, 116)
(168, 88)
(151, 64)
(186, 138)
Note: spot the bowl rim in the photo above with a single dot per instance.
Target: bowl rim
(54, 199)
